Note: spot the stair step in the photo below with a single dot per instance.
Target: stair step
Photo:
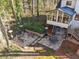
(75, 36)
(73, 41)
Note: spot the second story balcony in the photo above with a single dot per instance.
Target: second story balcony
(58, 18)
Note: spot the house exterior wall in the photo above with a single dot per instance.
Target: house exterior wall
(77, 7)
(63, 3)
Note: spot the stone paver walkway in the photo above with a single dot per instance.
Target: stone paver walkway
(28, 39)
(48, 43)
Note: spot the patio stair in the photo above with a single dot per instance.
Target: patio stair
(75, 34)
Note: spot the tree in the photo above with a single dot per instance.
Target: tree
(32, 7)
(37, 8)
(11, 3)
(4, 33)
(3, 9)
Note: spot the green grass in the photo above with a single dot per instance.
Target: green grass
(31, 24)
(34, 26)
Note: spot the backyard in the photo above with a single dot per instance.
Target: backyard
(25, 31)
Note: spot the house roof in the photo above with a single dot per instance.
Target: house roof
(67, 10)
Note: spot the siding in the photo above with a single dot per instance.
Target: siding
(63, 3)
(77, 7)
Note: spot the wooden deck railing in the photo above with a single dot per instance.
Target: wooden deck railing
(58, 16)
(74, 34)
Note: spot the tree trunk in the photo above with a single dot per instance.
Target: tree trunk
(4, 33)
(32, 7)
(13, 8)
(37, 8)
(44, 3)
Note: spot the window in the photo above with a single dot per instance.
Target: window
(69, 3)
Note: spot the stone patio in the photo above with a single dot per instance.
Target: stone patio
(28, 39)
(46, 42)
(31, 40)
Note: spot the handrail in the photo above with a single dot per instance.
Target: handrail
(58, 17)
(74, 34)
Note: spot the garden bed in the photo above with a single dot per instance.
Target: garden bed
(34, 26)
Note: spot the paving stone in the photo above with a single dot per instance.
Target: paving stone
(28, 39)
(48, 43)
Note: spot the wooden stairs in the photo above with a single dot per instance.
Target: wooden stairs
(75, 36)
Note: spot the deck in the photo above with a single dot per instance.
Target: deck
(63, 25)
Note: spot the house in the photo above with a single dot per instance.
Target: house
(58, 21)
(73, 4)
(66, 11)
